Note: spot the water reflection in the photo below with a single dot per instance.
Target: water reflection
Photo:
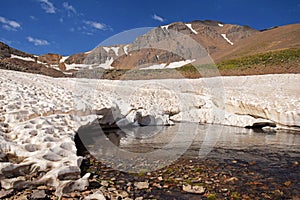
(149, 148)
(149, 138)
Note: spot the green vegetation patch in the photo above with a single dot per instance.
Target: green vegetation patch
(269, 58)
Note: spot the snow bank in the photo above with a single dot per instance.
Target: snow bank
(39, 115)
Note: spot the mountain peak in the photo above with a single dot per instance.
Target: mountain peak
(220, 40)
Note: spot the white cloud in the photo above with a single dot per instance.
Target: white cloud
(47, 6)
(87, 33)
(158, 18)
(9, 25)
(37, 42)
(96, 25)
(71, 10)
(33, 17)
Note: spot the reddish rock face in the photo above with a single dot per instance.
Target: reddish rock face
(50, 58)
(6, 52)
(76, 58)
(62, 66)
(29, 66)
(144, 57)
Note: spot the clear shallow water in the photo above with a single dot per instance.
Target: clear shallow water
(149, 148)
(263, 164)
(209, 135)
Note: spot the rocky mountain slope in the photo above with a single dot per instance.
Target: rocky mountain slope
(170, 46)
(267, 40)
(14, 59)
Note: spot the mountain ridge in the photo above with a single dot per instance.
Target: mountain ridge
(220, 41)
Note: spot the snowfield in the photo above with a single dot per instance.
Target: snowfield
(39, 115)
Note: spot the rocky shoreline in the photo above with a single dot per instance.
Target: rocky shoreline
(189, 178)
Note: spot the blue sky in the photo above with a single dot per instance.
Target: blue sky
(72, 26)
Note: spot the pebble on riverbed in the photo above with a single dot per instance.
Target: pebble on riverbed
(141, 185)
(193, 189)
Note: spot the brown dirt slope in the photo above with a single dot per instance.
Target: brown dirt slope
(29, 66)
(282, 37)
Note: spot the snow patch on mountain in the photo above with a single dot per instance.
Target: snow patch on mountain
(63, 59)
(22, 58)
(106, 65)
(172, 65)
(125, 48)
(191, 28)
(225, 37)
(178, 64)
(165, 28)
(116, 50)
(107, 49)
(77, 66)
(157, 66)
